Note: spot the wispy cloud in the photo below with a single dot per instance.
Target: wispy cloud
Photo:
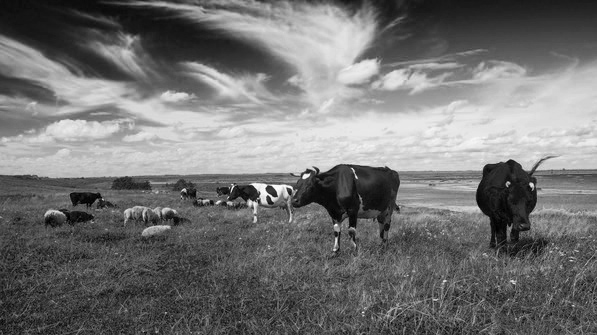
(122, 50)
(495, 70)
(73, 90)
(247, 87)
(415, 81)
(359, 73)
(317, 40)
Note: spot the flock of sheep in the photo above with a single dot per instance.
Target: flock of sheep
(154, 217)
(148, 215)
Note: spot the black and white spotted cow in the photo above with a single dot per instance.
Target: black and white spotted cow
(188, 193)
(266, 195)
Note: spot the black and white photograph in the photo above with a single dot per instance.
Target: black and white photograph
(298, 167)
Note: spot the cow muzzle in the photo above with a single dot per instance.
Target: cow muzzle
(522, 225)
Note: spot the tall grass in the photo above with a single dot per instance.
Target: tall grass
(223, 274)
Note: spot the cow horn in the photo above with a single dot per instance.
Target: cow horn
(294, 174)
(539, 163)
(508, 184)
(316, 170)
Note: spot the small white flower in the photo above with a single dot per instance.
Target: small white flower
(512, 281)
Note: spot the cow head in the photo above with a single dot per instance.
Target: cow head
(222, 191)
(520, 198)
(183, 193)
(306, 187)
(235, 192)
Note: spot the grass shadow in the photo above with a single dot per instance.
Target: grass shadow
(102, 236)
(528, 247)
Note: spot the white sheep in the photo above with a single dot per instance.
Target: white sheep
(149, 216)
(134, 213)
(169, 214)
(54, 218)
(158, 212)
(155, 230)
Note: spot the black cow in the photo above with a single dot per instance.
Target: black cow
(351, 191)
(78, 216)
(73, 217)
(222, 191)
(188, 193)
(86, 198)
(507, 194)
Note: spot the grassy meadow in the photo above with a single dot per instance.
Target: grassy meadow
(222, 274)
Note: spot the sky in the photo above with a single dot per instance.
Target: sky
(126, 88)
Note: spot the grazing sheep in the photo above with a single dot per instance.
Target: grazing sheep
(54, 218)
(134, 213)
(158, 212)
(155, 230)
(220, 203)
(203, 202)
(149, 216)
(169, 214)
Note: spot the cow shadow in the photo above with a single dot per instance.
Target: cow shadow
(526, 247)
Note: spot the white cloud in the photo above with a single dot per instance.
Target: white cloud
(141, 136)
(68, 130)
(317, 40)
(81, 130)
(64, 152)
(123, 50)
(249, 87)
(359, 73)
(415, 81)
(173, 96)
(495, 70)
(74, 91)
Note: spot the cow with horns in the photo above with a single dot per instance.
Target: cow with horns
(352, 191)
(266, 195)
(507, 195)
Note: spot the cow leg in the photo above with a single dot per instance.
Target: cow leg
(385, 219)
(500, 233)
(337, 234)
(352, 230)
(492, 240)
(255, 207)
(289, 210)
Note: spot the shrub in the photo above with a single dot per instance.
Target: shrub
(181, 183)
(128, 183)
